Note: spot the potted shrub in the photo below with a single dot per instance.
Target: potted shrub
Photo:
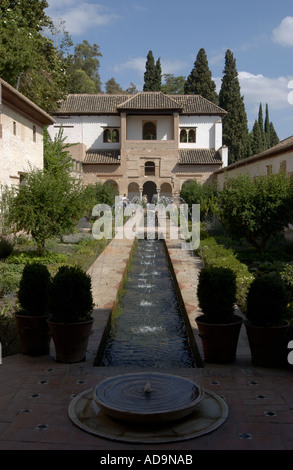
(31, 320)
(218, 326)
(266, 323)
(70, 313)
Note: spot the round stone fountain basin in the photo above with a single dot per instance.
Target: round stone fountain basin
(147, 397)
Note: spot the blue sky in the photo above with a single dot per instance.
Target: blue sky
(259, 33)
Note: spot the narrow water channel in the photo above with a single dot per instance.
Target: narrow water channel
(149, 330)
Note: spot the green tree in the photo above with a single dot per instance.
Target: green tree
(28, 60)
(261, 126)
(173, 85)
(86, 59)
(204, 194)
(153, 74)
(113, 88)
(46, 205)
(235, 130)
(132, 89)
(256, 139)
(274, 139)
(256, 209)
(199, 81)
(56, 155)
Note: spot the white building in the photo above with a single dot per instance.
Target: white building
(21, 134)
(145, 143)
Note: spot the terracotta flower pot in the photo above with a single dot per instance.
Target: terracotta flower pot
(70, 340)
(33, 333)
(268, 345)
(219, 341)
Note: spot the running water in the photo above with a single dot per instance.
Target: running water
(149, 330)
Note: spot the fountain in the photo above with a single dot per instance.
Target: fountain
(147, 407)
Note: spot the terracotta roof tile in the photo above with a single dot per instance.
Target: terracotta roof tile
(199, 157)
(113, 104)
(102, 156)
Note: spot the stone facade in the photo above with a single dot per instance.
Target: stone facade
(21, 135)
(143, 144)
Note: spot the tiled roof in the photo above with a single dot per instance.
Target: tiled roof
(284, 146)
(196, 104)
(12, 96)
(199, 157)
(91, 104)
(144, 101)
(150, 100)
(102, 156)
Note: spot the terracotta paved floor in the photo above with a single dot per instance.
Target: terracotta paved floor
(35, 392)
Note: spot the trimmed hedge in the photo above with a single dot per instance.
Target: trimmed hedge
(214, 254)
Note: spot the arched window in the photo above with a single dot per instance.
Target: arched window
(183, 135)
(191, 135)
(115, 135)
(111, 136)
(149, 169)
(107, 135)
(149, 131)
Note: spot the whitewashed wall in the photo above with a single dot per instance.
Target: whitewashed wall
(19, 151)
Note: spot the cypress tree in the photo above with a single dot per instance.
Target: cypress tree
(267, 129)
(261, 126)
(256, 139)
(158, 81)
(153, 74)
(274, 139)
(235, 130)
(200, 80)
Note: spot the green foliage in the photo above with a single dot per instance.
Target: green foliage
(46, 205)
(153, 74)
(70, 296)
(33, 289)
(204, 194)
(113, 88)
(235, 130)
(200, 82)
(31, 257)
(173, 85)
(98, 194)
(216, 293)
(215, 254)
(56, 155)
(263, 135)
(6, 248)
(9, 278)
(29, 61)
(267, 301)
(256, 208)
(83, 69)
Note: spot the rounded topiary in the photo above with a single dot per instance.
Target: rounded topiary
(70, 296)
(216, 292)
(33, 289)
(267, 301)
(6, 248)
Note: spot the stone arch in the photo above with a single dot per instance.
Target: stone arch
(166, 190)
(114, 186)
(149, 131)
(133, 191)
(149, 189)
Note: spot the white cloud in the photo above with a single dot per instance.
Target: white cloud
(138, 65)
(258, 89)
(283, 34)
(80, 16)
